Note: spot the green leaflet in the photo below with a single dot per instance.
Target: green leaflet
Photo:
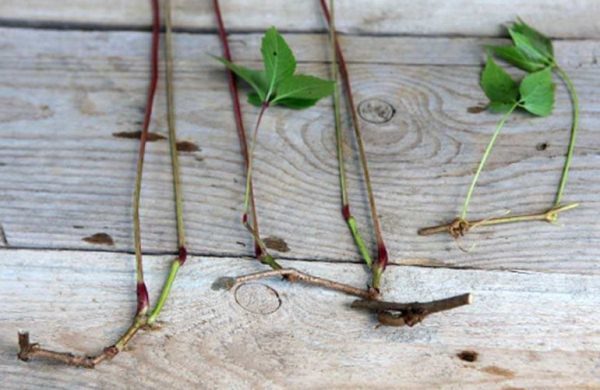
(534, 39)
(532, 51)
(498, 86)
(303, 87)
(277, 84)
(537, 93)
(255, 78)
(514, 56)
(278, 58)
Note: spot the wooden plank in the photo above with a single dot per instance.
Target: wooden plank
(66, 177)
(563, 18)
(529, 330)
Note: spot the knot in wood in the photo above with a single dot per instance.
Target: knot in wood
(375, 110)
(257, 298)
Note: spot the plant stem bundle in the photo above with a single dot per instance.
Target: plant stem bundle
(142, 319)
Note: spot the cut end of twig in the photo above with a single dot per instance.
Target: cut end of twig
(457, 228)
(223, 283)
(24, 346)
(28, 350)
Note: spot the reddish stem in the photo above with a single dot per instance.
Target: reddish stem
(382, 256)
(142, 293)
(30, 350)
(237, 114)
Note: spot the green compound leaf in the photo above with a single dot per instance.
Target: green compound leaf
(277, 84)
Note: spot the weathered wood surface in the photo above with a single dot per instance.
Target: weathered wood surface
(529, 330)
(66, 177)
(558, 18)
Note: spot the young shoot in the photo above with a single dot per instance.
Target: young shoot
(276, 84)
(388, 313)
(532, 52)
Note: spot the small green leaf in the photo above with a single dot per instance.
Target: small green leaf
(535, 39)
(498, 86)
(278, 58)
(537, 93)
(303, 87)
(516, 57)
(255, 78)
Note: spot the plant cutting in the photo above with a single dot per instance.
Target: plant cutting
(144, 317)
(532, 52)
(275, 85)
(388, 313)
(265, 92)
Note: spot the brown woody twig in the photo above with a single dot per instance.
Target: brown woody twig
(459, 227)
(292, 275)
(400, 314)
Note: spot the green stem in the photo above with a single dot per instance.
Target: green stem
(350, 220)
(574, 128)
(177, 263)
(486, 154)
(266, 257)
(166, 290)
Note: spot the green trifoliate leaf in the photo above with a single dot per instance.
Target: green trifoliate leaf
(303, 87)
(537, 93)
(255, 78)
(278, 58)
(498, 86)
(277, 84)
(516, 57)
(534, 38)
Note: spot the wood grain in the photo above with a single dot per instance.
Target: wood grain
(561, 18)
(529, 330)
(66, 177)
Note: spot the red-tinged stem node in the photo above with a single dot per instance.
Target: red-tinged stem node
(382, 256)
(346, 212)
(182, 255)
(142, 299)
